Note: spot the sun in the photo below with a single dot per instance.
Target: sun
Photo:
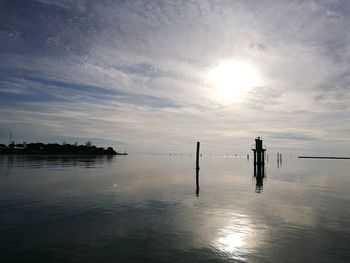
(232, 79)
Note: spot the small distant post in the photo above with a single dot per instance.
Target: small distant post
(197, 156)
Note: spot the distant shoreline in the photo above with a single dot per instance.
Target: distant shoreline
(323, 157)
(56, 149)
(61, 154)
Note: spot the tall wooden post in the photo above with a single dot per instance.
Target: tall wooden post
(197, 169)
(197, 156)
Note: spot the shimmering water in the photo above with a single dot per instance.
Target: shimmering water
(145, 209)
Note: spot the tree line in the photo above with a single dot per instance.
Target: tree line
(55, 148)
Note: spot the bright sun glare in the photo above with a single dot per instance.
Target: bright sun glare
(231, 80)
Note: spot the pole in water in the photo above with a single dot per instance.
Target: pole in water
(197, 156)
(197, 169)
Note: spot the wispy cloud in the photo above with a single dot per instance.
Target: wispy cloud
(135, 72)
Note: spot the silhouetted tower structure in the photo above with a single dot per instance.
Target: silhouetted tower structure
(259, 163)
(259, 152)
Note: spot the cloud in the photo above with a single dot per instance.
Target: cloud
(135, 71)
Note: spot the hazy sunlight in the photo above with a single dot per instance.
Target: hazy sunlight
(231, 80)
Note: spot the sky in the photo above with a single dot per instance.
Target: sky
(158, 76)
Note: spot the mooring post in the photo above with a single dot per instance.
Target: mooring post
(197, 169)
(197, 156)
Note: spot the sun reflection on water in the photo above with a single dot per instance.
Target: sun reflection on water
(230, 242)
(238, 238)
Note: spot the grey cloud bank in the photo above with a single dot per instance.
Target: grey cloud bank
(134, 73)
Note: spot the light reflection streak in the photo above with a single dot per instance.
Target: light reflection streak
(239, 237)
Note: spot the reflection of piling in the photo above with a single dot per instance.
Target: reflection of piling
(197, 169)
(197, 182)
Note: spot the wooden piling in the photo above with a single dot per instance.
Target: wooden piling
(197, 169)
(197, 156)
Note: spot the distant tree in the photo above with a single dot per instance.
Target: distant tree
(76, 143)
(88, 144)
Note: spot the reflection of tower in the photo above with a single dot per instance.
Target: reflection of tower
(259, 164)
(279, 160)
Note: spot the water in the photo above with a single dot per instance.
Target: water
(145, 209)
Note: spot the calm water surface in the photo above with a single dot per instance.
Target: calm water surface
(145, 209)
